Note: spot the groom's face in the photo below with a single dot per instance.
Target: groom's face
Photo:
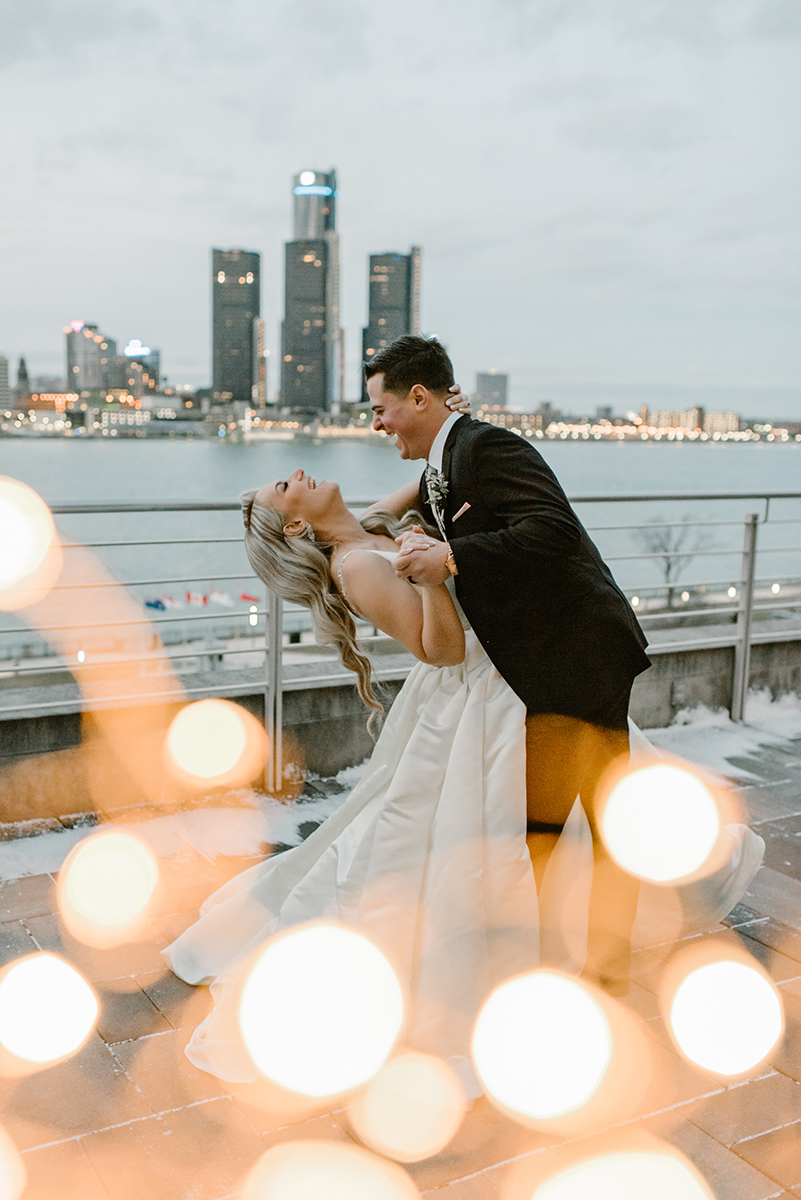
(399, 417)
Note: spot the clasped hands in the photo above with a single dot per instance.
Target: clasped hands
(421, 559)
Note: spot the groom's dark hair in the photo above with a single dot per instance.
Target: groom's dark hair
(411, 360)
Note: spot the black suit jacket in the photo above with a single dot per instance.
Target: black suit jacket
(538, 595)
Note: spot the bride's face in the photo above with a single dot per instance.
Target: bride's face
(299, 497)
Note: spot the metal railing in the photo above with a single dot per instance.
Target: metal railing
(740, 608)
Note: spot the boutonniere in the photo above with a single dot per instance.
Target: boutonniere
(438, 490)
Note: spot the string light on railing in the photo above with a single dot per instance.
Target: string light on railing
(731, 592)
(776, 588)
(81, 656)
(635, 601)
(253, 615)
(685, 596)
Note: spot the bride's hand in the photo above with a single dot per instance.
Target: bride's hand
(458, 402)
(414, 539)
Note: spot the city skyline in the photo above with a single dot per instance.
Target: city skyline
(609, 206)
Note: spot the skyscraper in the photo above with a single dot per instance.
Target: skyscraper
(5, 390)
(236, 306)
(89, 355)
(394, 299)
(312, 358)
(23, 383)
(491, 388)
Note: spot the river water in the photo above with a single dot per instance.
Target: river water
(74, 471)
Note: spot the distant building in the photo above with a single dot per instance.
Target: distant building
(137, 369)
(688, 420)
(259, 388)
(5, 389)
(23, 383)
(603, 412)
(393, 301)
(236, 306)
(89, 355)
(491, 389)
(721, 422)
(312, 341)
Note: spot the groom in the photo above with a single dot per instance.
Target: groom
(540, 600)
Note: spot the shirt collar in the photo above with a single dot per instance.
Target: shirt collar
(438, 445)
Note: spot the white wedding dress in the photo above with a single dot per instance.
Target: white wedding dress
(427, 857)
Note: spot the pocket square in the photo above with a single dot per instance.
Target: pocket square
(461, 511)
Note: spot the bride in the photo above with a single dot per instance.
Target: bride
(427, 856)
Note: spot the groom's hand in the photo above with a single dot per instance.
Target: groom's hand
(421, 558)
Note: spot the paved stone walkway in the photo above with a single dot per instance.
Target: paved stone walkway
(129, 1117)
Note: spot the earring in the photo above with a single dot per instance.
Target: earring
(310, 532)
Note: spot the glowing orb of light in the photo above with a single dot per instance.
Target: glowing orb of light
(12, 1172)
(320, 1010)
(215, 740)
(411, 1109)
(657, 1176)
(47, 1009)
(311, 1170)
(27, 542)
(106, 884)
(726, 1017)
(307, 178)
(660, 823)
(542, 1045)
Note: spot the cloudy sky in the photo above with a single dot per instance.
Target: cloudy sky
(606, 191)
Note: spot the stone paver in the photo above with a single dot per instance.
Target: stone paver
(130, 1116)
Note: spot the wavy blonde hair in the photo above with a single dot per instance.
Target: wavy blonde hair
(299, 570)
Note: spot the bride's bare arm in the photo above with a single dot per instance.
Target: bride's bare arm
(424, 620)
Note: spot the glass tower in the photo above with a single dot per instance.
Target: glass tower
(394, 300)
(312, 360)
(236, 306)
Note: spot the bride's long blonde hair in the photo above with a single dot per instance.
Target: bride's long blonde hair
(299, 570)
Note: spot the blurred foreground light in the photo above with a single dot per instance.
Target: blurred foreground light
(542, 1045)
(317, 1170)
(47, 1009)
(105, 887)
(30, 557)
(320, 1010)
(214, 742)
(12, 1172)
(411, 1109)
(660, 823)
(726, 1016)
(646, 1175)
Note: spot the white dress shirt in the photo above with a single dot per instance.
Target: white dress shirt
(438, 445)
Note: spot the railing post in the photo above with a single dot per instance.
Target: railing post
(742, 657)
(273, 697)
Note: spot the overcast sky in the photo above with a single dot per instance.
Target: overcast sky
(606, 191)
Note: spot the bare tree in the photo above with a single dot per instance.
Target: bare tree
(674, 546)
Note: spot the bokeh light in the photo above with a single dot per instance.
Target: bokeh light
(726, 1016)
(661, 823)
(212, 742)
(647, 1175)
(542, 1045)
(312, 1170)
(47, 1009)
(29, 552)
(411, 1109)
(105, 887)
(320, 1010)
(12, 1172)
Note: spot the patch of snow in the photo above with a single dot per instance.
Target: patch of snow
(712, 739)
(350, 776)
(39, 855)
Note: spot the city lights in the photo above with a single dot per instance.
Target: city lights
(411, 1109)
(537, 1076)
(312, 1170)
(320, 1010)
(726, 1016)
(47, 1009)
(215, 742)
(652, 1174)
(661, 823)
(105, 887)
(30, 557)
